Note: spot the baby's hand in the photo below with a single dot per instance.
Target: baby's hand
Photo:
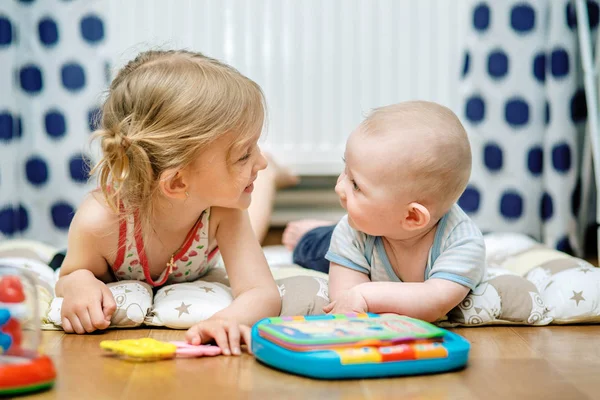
(226, 333)
(88, 303)
(351, 301)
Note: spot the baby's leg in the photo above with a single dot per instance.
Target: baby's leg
(267, 183)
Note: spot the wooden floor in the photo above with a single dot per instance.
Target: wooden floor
(505, 363)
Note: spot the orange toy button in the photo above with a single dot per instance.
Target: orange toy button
(432, 350)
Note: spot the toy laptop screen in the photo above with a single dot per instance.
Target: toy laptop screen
(310, 334)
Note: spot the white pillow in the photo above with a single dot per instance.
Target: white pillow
(182, 305)
(133, 298)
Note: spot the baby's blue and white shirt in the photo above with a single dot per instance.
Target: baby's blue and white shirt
(457, 253)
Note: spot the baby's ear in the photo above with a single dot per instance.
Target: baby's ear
(173, 184)
(417, 217)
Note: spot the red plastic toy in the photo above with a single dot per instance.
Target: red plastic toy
(22, 368)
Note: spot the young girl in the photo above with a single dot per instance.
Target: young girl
(179, 136)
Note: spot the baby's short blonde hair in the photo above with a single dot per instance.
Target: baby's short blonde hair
(434, 161)
(163, 108)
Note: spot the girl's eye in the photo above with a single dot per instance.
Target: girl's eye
(245, 158)
(354, 185)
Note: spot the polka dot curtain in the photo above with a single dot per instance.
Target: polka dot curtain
(52, 71)
(525, 110)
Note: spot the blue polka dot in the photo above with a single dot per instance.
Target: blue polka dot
(6, 126)
(559, 63)
(547, 207)
(466, 64)
(79, 168)
(547, 113)
(492, 156)
(535, 160)
(73, 76)
(6, 31)
(56, 125)
(36, 171)
(94, 116)
(22, 218)
(561, 157)
(18, 127)
(571, 16)
(62, 214)
(48, 31)
(481, 17)
(564, 245)
(475, 109)
(522, 18)
(26, 1)
(30, 77)
(13, 220)
(511, 205)
(92, 29)
(498, 64)
(576, 199)
(516, 112)
(578, 106)
(539, 67)
(470, 199)
(593, 14)
(7, 224)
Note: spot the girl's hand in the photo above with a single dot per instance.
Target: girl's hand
(228, 335)
(88, 303)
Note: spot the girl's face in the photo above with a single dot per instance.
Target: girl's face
(222, 181)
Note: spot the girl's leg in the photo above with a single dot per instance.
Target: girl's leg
(267, 183)
(295, 230)
(312, 247)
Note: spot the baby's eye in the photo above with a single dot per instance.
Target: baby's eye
(354, 185)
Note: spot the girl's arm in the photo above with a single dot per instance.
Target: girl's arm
(255, 293)
(87, 303)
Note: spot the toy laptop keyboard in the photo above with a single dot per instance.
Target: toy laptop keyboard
(357, 346)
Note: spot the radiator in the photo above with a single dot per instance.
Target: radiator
(323, 64)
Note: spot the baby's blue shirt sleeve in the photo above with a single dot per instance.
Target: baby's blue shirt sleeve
(347, 248)
(462, 258)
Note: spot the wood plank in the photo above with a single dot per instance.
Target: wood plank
(506, 362)
(574, 351)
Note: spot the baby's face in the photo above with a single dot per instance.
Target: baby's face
(375, 204)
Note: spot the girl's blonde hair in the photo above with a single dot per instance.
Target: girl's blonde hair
(162, 109)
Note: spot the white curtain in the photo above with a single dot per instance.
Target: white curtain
(53, 68)
(524, 108)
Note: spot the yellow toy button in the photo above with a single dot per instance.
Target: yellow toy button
(359, 355)
(145, 349)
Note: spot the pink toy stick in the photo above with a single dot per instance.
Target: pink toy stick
(189, 350)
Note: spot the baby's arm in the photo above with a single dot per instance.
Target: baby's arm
(459, 268)
(88, 304)
(349, 266)
(429, 300)
(255, 293)
(342, 279)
